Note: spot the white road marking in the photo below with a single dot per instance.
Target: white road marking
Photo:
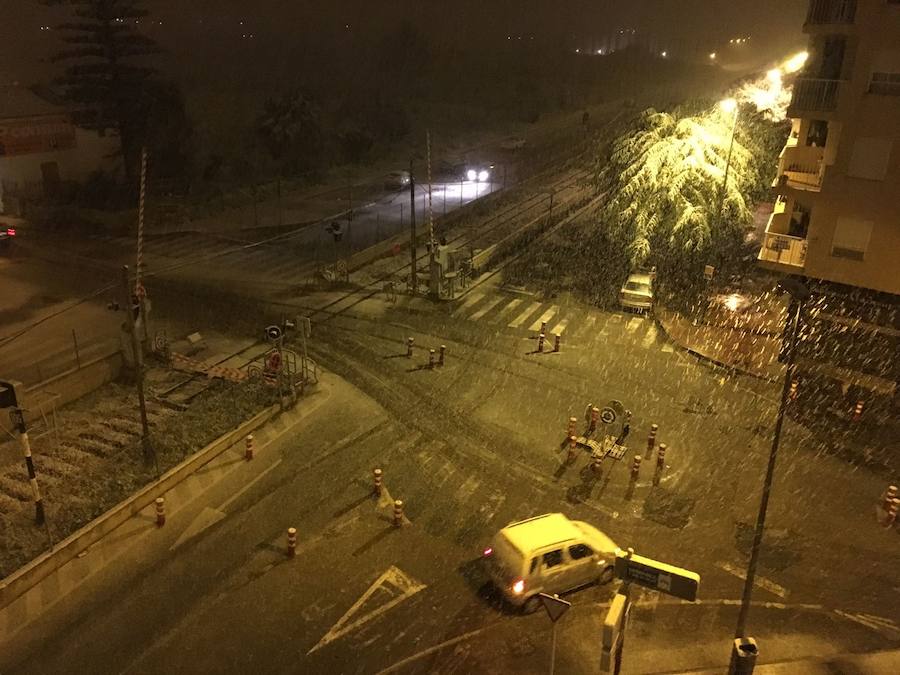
(760, 581)
(515, 302)
(205, 519)
(589, 322)
(428, 652)
(404, 586)
(468, 302)
(869, 621)
(249, 485)
(667, 348)
(545, 317)
(519, 320)
(560, 328)
(485, 309)
(633, 324)
(466, 489)
(650, 337)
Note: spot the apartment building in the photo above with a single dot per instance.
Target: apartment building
(836, 219)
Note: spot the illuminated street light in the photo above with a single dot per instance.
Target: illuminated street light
(774, 76)
(796, 62)
(729, 106)
(712, 56)
(664, 54)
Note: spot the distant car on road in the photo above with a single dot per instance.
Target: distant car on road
(513, 143)
(548, 554)
(637, 292)
(397, 180)
(7, 234)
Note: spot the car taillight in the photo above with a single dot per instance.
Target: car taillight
(11, 231)
(518, 587)
(488, 551)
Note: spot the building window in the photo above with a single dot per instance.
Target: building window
(851, 238)
(885, 84)
(817, 135)
(870, 158)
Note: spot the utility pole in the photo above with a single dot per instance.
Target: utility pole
(413, 282)
(799, 294)
(138, 358)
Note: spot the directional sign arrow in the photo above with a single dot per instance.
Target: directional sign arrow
(554, 606)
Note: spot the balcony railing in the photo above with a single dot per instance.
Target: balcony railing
(813, 94)
(831, 12)
(801, 167)
(783, 249)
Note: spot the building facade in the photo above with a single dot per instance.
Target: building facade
(41, 148)
(836, 219)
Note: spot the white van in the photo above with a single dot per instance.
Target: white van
(548, 554)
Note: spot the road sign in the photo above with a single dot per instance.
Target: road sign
(273, 333)
(708, 272)
(554, 606)
(614, 632)
(607, 415)
(8, 394)
(614, 622)
(659, 576)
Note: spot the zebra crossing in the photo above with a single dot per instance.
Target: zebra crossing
(520, 315)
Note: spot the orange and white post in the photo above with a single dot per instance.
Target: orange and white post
(248, 447)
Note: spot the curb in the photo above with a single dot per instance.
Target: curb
(700, 356)
(23, 579)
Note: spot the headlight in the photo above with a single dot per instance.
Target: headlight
(483, 176)
(471, 174)
(518, 587)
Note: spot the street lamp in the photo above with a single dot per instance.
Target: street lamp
(730, 107)
(799, 295)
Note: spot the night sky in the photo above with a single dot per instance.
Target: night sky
(213, 28)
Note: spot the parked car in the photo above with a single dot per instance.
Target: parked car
(548, 554)
(637, 292)
(7, 234)
(397, 180)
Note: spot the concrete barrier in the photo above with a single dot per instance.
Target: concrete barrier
(45, 564)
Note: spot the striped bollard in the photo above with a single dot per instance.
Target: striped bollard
(543, 326)
(888, 497)
(597, 464)
(573, 423)
(398, 513)
(892, 513)
(857, 411)
(573, 448)
(635, 467)
(377, 475)
(291, 542)
(160, 511)
(441, 355)
(651, 438)
(431, 358)
(409, 347)
(540, 342)
(595, 417)
(248, 447)
(792, 394)
(661, 457)
(556, 338)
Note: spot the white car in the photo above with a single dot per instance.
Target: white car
(637, 292)
(397, 180)
(548, 554)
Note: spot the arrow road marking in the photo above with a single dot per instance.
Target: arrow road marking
(762, 582)
(403, 587)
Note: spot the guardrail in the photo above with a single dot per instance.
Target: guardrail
(815, 94)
